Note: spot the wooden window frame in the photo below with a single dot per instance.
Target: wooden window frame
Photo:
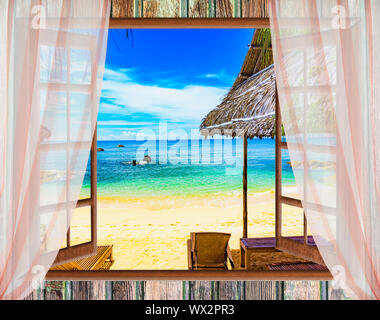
(124, 23)
(85, 249)
(302, 249)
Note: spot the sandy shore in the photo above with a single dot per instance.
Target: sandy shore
(152, 233)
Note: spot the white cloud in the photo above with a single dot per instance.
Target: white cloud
(221, 75)
(123, 123)
(212, 75)
(192, 102)
(117, 135)
(107, 108)
(182, 108)
(117, 75)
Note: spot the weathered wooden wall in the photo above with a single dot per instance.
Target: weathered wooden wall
(189, 8)
(187, 290)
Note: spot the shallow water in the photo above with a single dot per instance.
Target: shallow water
(191, 168)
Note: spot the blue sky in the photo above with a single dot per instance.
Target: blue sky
(170, 75)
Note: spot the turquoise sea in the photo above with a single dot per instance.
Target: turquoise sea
(194, 168)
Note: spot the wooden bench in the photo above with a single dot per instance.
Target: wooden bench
(247, 245)
(102, 260)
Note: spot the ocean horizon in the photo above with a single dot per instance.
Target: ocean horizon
(201, 167)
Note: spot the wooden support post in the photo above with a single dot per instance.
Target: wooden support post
(68, 153)
(278, 187)
(245, 198)
(94, 199)
(305, 162)
(305, 238)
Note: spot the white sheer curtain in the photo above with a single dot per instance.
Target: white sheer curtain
(327, 65)
(52, 55)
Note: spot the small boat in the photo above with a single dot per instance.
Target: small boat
(147, 159)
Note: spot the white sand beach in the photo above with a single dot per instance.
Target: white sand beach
(152, 234)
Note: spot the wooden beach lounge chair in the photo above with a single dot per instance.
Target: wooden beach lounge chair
(209, 251)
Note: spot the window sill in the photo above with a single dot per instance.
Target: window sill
(187, 275)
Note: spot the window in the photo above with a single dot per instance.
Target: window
(69, 89)
(80, 250)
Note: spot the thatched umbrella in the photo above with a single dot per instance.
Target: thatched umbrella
(249, 108)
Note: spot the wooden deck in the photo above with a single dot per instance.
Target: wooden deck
(297, 266)
(256, 243)
(103, 260)
(255, 248)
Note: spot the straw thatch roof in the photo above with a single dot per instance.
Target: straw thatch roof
(259, 56)
(249, 107)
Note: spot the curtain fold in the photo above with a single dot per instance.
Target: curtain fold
(328, 78)
(52, 55)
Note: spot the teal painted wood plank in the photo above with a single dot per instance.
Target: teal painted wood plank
(68, 290)
(108, 289)
(138, 7)
(280, 285)
(140, 290)
(211, 8)
(237, 8)
(184, 8)
(214, 290)
(185, 290)
(324, 289)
